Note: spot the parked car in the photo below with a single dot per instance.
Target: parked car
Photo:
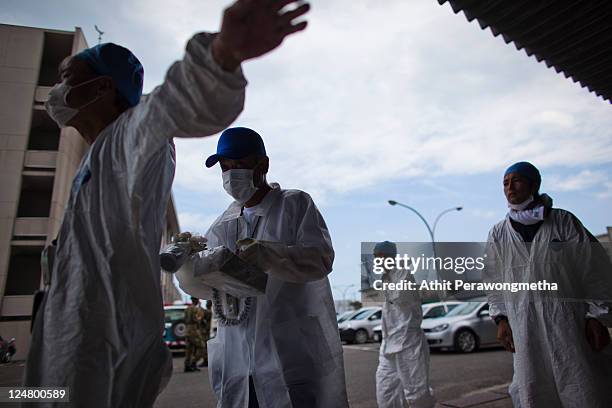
(344, 316)
(465, 328)
(174, 327)
(438, 309)
(7, 349)
(430, 311)
(358, 328)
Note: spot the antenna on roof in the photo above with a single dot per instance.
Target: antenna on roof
(100, 33)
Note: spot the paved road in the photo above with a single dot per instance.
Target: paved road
(453, 375)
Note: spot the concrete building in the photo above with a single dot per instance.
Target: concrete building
(37, 164)
(606, 240)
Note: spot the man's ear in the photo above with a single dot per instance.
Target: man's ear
(105, 84)
(261, 169)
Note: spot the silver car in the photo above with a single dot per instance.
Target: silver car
(358, 328)
(465, 328)
(430, 311)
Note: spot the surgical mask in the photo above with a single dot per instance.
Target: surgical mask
(528, 217)
(521, 206)
(58, 108)
(239, 184)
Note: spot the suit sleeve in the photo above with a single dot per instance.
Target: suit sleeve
(310, 258)
(493, 273)
(197, 98)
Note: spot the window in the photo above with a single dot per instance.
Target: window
(35, 198)
(464, 309)
(437, 311)
(376, 316)
(57, 46)
(44, 132)
(361, 315)
(173, 315)
(24, 271)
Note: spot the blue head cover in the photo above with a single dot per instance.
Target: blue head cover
(237, 143)
(385, 248)
(525, 169)
(120, 64)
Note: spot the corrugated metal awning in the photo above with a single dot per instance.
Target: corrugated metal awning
(573, 37)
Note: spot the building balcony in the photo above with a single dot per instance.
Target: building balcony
(42, 94)
(31, 226)
(17, 305)
(40, 159)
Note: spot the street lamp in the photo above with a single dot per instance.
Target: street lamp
(432, 231)
(346, 288)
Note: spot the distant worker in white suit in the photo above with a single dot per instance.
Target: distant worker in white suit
(402, 377)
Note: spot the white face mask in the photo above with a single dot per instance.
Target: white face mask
(521, 206)
(58, 108)
(528, 217)
(239, 184)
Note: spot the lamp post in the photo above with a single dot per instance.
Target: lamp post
(346, 288)
(432, 231)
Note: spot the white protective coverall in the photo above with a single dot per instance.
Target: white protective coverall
(289, 343)
(99, 329)
(554, 366)
(402, 377)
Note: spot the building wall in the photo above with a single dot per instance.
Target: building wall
(37, 164)
(33, 174)
(169, 291)
(606, 239)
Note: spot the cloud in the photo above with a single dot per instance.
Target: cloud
(196, 222)
(606, 192)
(481, 213)
(584, 180)
(396, 92)
(393, 91)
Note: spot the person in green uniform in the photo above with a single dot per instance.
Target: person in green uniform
(205, 326)
(194, 342)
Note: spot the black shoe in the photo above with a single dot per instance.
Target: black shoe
(203, 364)
(189, 369)
(194, 368)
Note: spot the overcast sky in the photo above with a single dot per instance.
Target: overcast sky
(400, 99)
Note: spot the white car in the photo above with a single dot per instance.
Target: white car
(438, 309)
(465, 329)
(343, 316)
(430, 311)
(359, 328)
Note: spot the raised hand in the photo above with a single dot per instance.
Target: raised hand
(251, 28)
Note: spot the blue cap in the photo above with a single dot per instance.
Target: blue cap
(525, 169)
(386, 248)
(237, 143)
(120, 64)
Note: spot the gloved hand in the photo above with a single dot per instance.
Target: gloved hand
(251, 28)
(596, 334)
(196, 242)
(249, 250)
(504, 335)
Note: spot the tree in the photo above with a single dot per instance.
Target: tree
(356, 305)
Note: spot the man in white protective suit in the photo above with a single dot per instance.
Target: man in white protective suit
(282, 348)
(99, 328)
(559, 338)
(402, 376)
